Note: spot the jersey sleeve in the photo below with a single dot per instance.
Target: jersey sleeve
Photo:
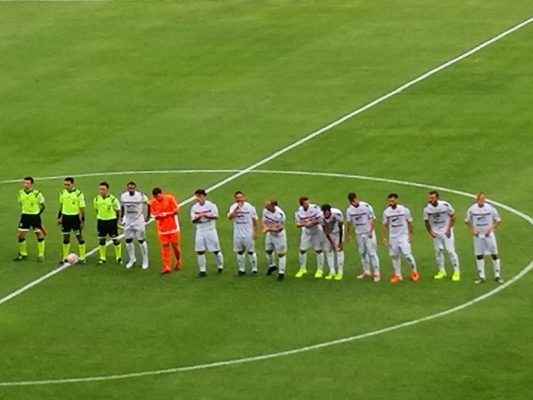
(192, 213)
(384, 219)
(451, 210)
(117, 204)
(495, 215)
(254, 214)
(283, 216)
(468, 215)
(60, 199)
(371, 213)
(82, 200)
(409, 217)
(40, 198)
(215, 210)
(425, 214)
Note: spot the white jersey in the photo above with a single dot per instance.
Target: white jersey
(243, 222)
(331, 224)
(397, 219)
(312, 214)
(482, 218)
(274, 219)
(439, 216)
(361, 217)
(134, 206)
(208, 209)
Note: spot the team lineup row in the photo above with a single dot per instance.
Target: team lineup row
(324, 229)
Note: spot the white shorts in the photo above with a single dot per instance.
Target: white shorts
(276, 242)
(335, 238)
(485, 245)
(206, 241)
(243, 244)
(399, 246)
(442, 242)
(366, 245)
(135, 231)
(315, 240)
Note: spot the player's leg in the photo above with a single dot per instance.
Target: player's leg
(329, 253)
(117, 245)
(82, 248)
(365, 258)
(405, 249)
(40, 235)
(239, 249)
(449, 246)
(438, 247)
(252, 255)
(129, 236)
(394, 253)
(339, 255)
(371, 245)
(102, 234)
(213, 245)
(140, 235)
(492, 247)
(200, 247)
(22, 247)
(166, 256)
(176, 249)
(305, 244)
(318, 241)
(479, 251)
(269, 253)
(281, 251)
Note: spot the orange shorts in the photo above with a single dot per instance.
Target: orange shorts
(169, 238)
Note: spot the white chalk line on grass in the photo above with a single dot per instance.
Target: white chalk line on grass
(246, 360)
(315, 133)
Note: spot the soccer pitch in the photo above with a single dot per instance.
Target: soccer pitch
(195, 94)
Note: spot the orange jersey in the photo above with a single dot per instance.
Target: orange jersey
(165, 213)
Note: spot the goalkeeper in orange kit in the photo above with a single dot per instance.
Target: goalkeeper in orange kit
(164, 209)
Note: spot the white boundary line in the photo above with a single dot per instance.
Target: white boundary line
(246, 360)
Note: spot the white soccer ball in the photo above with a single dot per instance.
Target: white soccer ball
(72, 258)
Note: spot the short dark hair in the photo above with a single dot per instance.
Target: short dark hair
(69, 179)
(156, 191)
(302, 199)
(201, 192)
(434, 192)
(28, 178)
(104, 183)
(352, 196)
(131, 183)
(393, 196)
(326, 207)
(237, 192)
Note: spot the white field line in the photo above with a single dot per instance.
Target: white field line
(245, 360)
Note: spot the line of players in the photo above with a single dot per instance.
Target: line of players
(322, 230)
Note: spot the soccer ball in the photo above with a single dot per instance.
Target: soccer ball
(72, 258)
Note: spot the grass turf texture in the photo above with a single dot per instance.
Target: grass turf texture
(226, 84)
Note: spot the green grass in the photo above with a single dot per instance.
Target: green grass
(132, 85)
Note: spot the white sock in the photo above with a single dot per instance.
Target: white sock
(454, 259)
(144, 252)
(480, 265)
(241, 262)
(439, 257)
(397, 265)
(219, 257)
(282, 263)
(340, 262)
(130, 248)
(411, 261)
(270, 260)
(497, 268)
(302, 258)
(253, 260)
(320, 261)
(330, 259)
(201, 262)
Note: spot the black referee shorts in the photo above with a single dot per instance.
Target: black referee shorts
(107, 228)
(30, 222)
(70, 223)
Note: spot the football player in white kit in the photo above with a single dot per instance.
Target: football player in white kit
(204, 214)
(482, 219)
(274, 219)
(361, 220)
(439, 218)
(398, 234)
(308, 218)
(333, 226)
(135, 213)
(245, 226)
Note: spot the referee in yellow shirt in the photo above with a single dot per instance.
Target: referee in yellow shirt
(32, 205)
(71, 217)
(107, 208)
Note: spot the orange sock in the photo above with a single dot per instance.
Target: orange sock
(165, 256)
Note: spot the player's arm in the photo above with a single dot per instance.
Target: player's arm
(385, 232)
(82, 209)
(255, 226)
(451, 224)
(428, 228)
(349, 229)
(341, 234)
(371, 231)
(410, 230)
(42, 205)
(233, 211)
(60, 211)
(470, 225)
